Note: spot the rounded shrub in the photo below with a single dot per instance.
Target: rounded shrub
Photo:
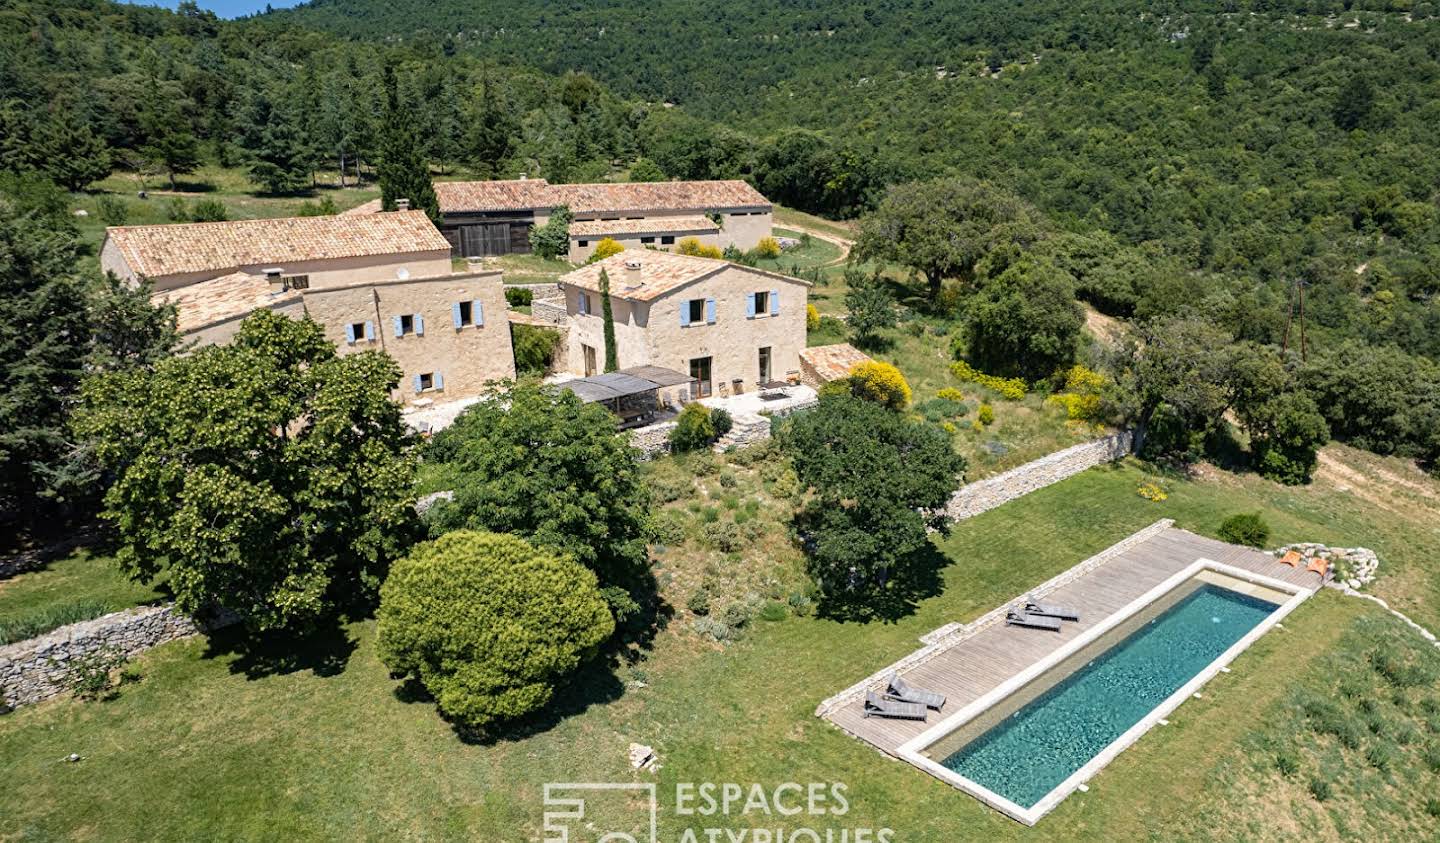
(768, 248)
(607, 247)
(1246, 528)
(694, 429)
(442, 605)
(985, 415)
(881, 383)
(812, 318)
(519, 296)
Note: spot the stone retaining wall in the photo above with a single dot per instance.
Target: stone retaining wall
(975, 498)
(652, 439)
(552, 312)
(38, 668)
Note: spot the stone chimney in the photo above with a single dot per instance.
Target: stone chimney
(402, 204)
(633, 269)
(522, 176)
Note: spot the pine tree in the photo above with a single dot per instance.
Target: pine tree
(492, 133)
(43, 342)
(402, 170)
(73, 154)
(169, 143)
(612, 353)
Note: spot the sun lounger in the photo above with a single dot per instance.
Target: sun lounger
(1319, 566)
(877, 706)
(1291, 558)
(1050, 610)
(899, 690)
(1032, 621)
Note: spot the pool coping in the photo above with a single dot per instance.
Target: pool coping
(911, 750)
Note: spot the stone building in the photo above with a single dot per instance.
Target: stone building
(380, 281)
(729, 327)
(495, 217)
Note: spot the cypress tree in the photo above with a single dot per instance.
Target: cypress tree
(612, 354)
(402, 170)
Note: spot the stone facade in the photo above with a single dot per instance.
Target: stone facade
(652, 440)
(975, 498)
(38, 669)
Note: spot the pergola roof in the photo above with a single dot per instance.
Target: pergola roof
(624, 383)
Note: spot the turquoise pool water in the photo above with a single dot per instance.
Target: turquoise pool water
(1040, 745)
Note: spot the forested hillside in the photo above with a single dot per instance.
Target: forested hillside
(1273, 143)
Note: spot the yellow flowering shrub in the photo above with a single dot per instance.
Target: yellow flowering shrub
(950, 393)
(1012, 389)
(812, 318)
(880, 382)
(692, 246)
(768, 248)
(606, 248)
(1081, 398)
(985, 415)
(1152, 492)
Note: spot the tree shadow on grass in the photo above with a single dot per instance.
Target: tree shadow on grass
(324, 651)
(594, 683)
(917, 576)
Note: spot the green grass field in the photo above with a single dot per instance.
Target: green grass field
(82, 583)
(216, 741)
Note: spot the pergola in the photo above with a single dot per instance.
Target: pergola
(631, 394)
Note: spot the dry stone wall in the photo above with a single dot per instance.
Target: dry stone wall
(39, 668)
(975, 498)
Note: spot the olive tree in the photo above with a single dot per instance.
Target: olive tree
(488, 623)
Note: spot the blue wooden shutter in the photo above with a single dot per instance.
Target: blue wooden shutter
(684, 314)
(399, 328)
(584, 306)
(455, 314)
(749, 305)
(710, 311)
(417, 383)
(350, 334)
(439, 381)
(774, 302)
(477, 312)
(419, 325)
(369, 331)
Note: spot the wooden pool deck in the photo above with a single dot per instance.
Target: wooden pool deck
(965, 662)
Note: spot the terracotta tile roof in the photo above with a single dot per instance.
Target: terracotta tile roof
(374, 206)
(219, 299)
(660, 272)
(650, 225)
(512, 195)
(833, 362)
(629, 197)
(159, 250)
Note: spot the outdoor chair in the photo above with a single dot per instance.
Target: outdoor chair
(877, 706)
(1033, 621)
(1050, 610)
(899, 690)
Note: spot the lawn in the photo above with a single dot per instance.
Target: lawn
(219, 742)
(78, 587)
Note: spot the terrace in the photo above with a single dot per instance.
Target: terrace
(984, 665)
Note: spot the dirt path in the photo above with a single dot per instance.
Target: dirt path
(843, 244)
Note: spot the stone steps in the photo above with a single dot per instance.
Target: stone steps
(745, 429)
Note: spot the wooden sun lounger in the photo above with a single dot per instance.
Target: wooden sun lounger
(1291, 558)
(1032, 621)
(877, 706)
(1050, 610)
(1319, 566)
(899, 690)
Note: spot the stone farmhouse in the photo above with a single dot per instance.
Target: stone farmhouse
(482, 218)
(377, 281)
(730, 328)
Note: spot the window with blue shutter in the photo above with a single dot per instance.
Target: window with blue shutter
(399, 327)
(455, 315)
(774, 302)
(749, 305)
(710, 311)
(439, 381)
(584, 304)
(478, 309)
(350, 334)
(419, 325)
(369, 331)
(685, 314)
(418, 387)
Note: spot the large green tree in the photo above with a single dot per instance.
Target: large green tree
(945, 227)
(1025, 322)
(536, 462)
(878, 481)
(269, 477)
(489, 624)
(402, 171)
(44, 341)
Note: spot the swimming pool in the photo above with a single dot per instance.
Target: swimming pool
(1037, 738)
